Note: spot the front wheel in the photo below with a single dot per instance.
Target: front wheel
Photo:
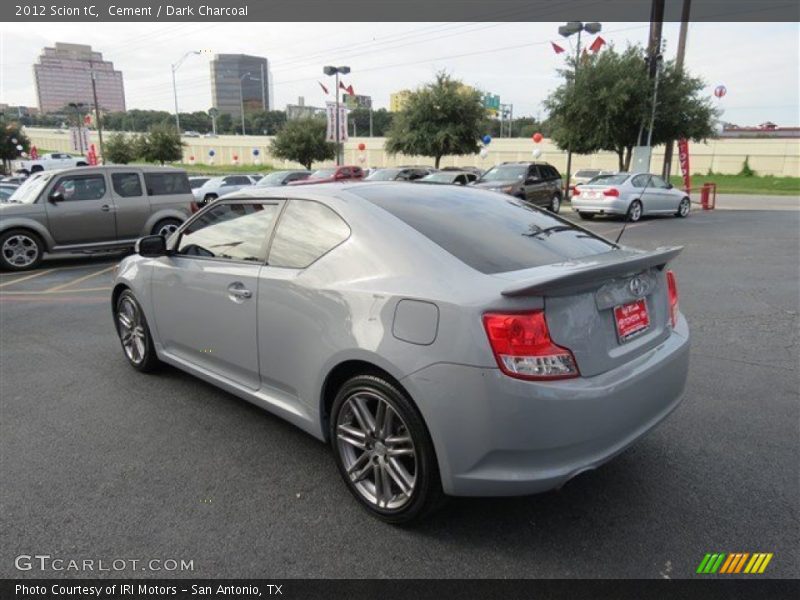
(383, 450)
(683, 208)
(134, 333)
(20, 250)
(635, 211)
(555, 203)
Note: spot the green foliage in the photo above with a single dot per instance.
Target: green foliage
(381, 122)
(122, 149)
(605, 107)
(10, 131)
(303, 141)
(746, 170)
(440, 119)
(161, 144)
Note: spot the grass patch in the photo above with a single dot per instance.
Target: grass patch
(745, 184)
(223, 169)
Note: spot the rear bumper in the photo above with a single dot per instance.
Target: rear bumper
(499, 436)
(599, 206)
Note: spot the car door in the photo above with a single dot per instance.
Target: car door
(131, 205)
(664, 199)
(206, 293)
(85, 214)
(644, 192)
(535, 186)
(233, 183)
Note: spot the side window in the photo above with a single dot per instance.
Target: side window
(306, 231)
(657, 182)
(640, 181)
(232, 231)
(81, 187)
(237, 180)
(461, 180)
(533, 171)
(126, 185)
(162, 184)
(471, 177)
(345, 172)
(357, 172)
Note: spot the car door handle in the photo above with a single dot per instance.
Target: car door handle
(238, 292)
(105, 208)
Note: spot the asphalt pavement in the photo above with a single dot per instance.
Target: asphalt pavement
(101, 462)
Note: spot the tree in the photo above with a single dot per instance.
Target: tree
(611, 99)
(161, 144)
(11, 136)
(303, 141)
(122, 149)
(442, 118)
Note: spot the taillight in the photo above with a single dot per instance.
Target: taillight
(194, 207)
(576, 191)
(523, 349)
(672, 292)
(611, 192)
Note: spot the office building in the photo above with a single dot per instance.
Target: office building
(239, 80)
(302, 111)
(64, 73)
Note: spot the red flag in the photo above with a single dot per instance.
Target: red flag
(558, 49)
(341, 86)
(324, 89)
(597, 44)
(350, 90)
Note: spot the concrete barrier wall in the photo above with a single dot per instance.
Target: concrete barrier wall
(780, 157)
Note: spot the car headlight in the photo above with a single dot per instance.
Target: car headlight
(507, 189)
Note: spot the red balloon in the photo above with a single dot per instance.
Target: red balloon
(362, 146)
(235, 157)
(537, 137)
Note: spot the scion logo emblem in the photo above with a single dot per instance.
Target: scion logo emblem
(638, 287)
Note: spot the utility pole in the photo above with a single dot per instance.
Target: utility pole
(685, 11)
(97, 113)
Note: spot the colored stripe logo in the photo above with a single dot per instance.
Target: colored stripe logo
(734, 562)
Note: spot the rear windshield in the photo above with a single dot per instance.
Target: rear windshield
(490, 232)
(587, 173)
(617, 179)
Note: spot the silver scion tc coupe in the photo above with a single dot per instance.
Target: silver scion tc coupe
(444, 340)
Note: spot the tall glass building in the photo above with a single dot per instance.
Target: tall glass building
(237, 80)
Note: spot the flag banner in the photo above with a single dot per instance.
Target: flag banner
(343, 123)
(597, 44)
(558, 49)
(324, 89)
(330, 113)
(683, 157)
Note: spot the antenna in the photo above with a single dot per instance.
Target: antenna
(628, 216)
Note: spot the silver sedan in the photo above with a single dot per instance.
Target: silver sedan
(632, 195)
(443, 340)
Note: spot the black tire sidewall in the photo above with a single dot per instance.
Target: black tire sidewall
(428, 493)
(6, 266)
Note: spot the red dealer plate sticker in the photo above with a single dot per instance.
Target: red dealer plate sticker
(632, 319)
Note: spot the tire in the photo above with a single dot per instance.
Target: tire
(586, 216)
(20, 250)
(36, 169)
(208, 198)
(410, 487)
(684, 208)
(555, 204)
(166, 227)
(134, 333)
(81, 164)
(634, 211)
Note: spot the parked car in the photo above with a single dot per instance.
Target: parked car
(443, 340)
(398, 174)
(586, 175)
(219, 186)
(331, 174)
(196, 182)
(629, 194)
(277, 178)
(6, 191)
(191, 134)
(14, 180)
(537, 183)
(475, 170)
(449, 177)
(48, 162)
(90, 209)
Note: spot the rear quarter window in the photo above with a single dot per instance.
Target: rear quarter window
(163, 184)
(491, 233)
(307, 230)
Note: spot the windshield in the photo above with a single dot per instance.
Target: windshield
(29, 191)
(213, 182)
(442, 177)
(587, 173)
(274, 178)
(383, 175)
(617, 179)
(505, 173)
(323, 173)
(196, 183)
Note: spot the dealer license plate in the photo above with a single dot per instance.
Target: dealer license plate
(632, 319)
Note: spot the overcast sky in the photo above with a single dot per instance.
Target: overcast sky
(757, 62)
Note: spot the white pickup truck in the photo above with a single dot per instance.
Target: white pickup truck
(48, 162)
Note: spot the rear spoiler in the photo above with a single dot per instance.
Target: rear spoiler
(616, 263)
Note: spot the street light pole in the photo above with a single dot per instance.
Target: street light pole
(97, 113)
(174, 67)
(329, 70)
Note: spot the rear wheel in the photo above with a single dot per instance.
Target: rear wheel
(555, 203)
(36, 169)
(635, 211)
(383, 450)
(683, 208)
(208, 198)
(134, 333)
(20, 250)
(166, 227)
(586, 216)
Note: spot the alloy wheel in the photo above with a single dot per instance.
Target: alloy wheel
(20, 250)
(131, 330)
(167, 229)
(377, 450)
(555, 204)
(683, 209)
(635, 212)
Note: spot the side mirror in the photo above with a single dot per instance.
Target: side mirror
(56, 197)
(151, 246)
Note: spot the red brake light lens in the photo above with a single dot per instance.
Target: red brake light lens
(611, 192)
(576, 191)
(194, 206)
(672, 291)
(523, 349)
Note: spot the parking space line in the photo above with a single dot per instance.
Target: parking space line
(26, 277)
(79, 279)
(53, 292)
